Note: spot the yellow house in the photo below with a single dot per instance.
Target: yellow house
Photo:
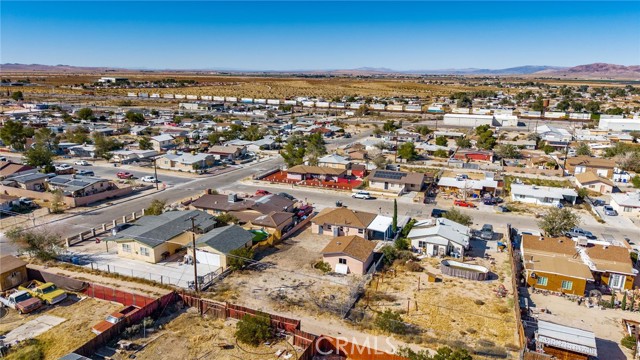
(154, 238)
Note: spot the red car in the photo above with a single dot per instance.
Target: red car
(262, 192)
(464, 203)
(113, 319)
(124, 175)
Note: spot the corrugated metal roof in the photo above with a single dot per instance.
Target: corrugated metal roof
(568, 338)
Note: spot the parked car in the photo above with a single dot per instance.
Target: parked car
(47, 292)
(464, 203)
(20, 300)
(113, 319)
(149, 179)
(304, 210)
(124, 175)
(438, 213)
(361, 195)
(486, 233)
(27, 202)
(288, 196)
(609, 210)
(85, 173)
(502, 209)
(599, 202)
(576, 232)
(82, 163)
(489, 201)
(261, 192)
(61, 167)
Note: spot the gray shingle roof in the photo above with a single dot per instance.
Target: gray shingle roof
(226, 238)
(155, 230)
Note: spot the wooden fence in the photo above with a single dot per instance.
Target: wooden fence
(513, 259)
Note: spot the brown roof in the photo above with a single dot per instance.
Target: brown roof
(554, 256)
(344, 216)
(611, 259)
(274, 219)
(316, 170)
(589, 177)
(10, 263)
(5, 198)
(8, 168)
(353, 246)
(264, 204)
(218, 149)
(402, 177)
(591, 162)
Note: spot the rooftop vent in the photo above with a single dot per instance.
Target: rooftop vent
(232, 198)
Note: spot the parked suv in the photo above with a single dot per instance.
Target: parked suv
(575, 232)
(361, 195)
(486, 233)
(124, 175)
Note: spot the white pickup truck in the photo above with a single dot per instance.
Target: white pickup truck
(20, 300)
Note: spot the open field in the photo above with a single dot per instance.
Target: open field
(287, 282)
(189, 336)
(80, 315)
(455, 312)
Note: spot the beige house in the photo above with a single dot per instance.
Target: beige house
(34, 181)
(342, 222)
(349, 254)
(13, 272)
(154, 238)
(162, 142)
(589, 180)
(335, 161)
(214, 247)
(78, 186)
(397, 182)
(581, 164)
(275, 221)
(185, 162)
(227, 152)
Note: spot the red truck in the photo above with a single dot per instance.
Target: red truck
(20, 300)
(113, 319)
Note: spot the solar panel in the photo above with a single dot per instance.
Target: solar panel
(393, 175)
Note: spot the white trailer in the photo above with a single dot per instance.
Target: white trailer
(218, 98)
(273, 101)
(394, 108)
(192, 97)
(132, 94)
(206, 97)
(178, 96)
(468, 120)
(555, 115)
(291, 102)
(246, 100)
(376, 106)
(308, 104)
(168, 96)
(479, 111)
(322, 104)
(413, 108)
(259, 101)
(231, 99)
(155, 95)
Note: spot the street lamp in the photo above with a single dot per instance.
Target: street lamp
(155, 173)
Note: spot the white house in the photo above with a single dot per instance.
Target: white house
(162, 142)
(542, 195)
(124, 156)
(440, 237)
(627, 204)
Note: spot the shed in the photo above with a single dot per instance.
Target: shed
(13, 272)
(564, 341)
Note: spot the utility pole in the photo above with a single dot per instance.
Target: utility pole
(195, 263)
(155, 173)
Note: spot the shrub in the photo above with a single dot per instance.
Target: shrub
(254, 330)
(390, 321)
(31, 349)
(628, 341)
(323, 266)
(413, 266)
(239, 257)
(401, 243)
(479, 302)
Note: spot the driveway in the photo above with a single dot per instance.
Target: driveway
(32, 328)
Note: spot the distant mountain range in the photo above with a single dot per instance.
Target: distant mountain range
(596, 71)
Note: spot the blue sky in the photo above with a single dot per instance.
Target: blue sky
(319, 35)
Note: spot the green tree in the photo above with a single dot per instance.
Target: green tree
(57, 202)
(636, 181)
(441, 153)
(583, 193)
(46, 138)
(104, 145)
(623, 304)
(156, 207)
(394, 225)
(145, 143)
(423, 130)
(486, 140)
(77, 135)
(253, 133)
(294, 151)
(583, 149)
(442, 141)
(39, 242)
(548, 149)
(240, 257)
(482, 129)
(456, 215)
(538, 104)
(225, 219)
(463, 142)
(254, 329)
(380, 161)
(389, 125)
(628, 341)
(556, 222)
(40, 156)
(13, 134)
(408, 151)
(577, 106)
(614, 111)
(464, 102)
(390, 254)
(17, 95)
(391, 322)
(84, 114)
(593, 107)
(563, 105)
(508, 151)
(134, 117)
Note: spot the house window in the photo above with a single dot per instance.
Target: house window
(328, 227)
(360, 231)
(144, 251)
(567, 285)
(627, 209)
(126, 248)
(342, 261)
(521, 196)
(616, 281)
(542, 281)
(422, 244)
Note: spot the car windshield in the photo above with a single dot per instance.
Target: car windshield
(49, 289)
(112, 319)
(23, 297)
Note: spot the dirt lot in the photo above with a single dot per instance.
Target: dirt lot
(189, 336)
(451, 312)
(80, 314)
(605, 324)
(288, 282)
